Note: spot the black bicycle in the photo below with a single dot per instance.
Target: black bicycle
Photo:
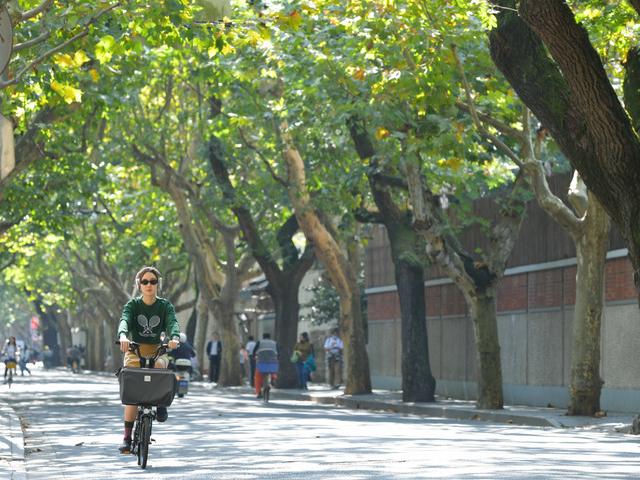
(147, 388)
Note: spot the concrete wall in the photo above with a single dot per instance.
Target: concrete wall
(535, 353)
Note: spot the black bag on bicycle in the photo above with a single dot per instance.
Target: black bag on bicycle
(147, 386)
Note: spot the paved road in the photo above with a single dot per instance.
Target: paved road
(73, 426)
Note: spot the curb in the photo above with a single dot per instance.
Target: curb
(431, 410)
(12, 438)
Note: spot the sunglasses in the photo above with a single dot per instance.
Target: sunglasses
(147, 282)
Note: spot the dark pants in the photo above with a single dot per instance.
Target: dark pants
(252, 367)
(214, 368)
(303, 375)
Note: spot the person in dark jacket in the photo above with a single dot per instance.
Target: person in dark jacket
(214, 352)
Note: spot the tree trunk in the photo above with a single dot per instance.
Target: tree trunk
(202, 327)
(591, 252)
(230, 363)
(283, 282)
(94, 355)
(110, 348)
(334, 260)
(287, 306)
(64, 332)
(358, 379)
(418, 383)
(484, 316)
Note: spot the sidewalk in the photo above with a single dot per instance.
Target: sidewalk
(391, 401)
(12, 466)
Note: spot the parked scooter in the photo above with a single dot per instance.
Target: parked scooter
(183, 374)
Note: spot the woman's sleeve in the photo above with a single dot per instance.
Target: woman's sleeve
(125, 319)
(172, 322)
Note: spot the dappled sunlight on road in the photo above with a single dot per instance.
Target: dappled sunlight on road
(74, 425)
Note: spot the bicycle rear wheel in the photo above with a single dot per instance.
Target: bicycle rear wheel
(266, 388)
(145, 439)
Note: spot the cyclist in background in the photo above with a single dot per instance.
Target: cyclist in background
(185, 350)
(143, 320)
(9, 354)
(266, 350)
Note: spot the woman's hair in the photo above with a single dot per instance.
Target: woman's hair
(305, 336)
(144, 270)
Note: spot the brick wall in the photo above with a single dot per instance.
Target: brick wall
(526, 291)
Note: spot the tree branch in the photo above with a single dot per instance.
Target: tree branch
(45, 5)
(30, 43)
(83, 33)
(474, 115)
(270, 169)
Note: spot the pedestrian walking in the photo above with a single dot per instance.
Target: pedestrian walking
(214, 351)
(333, 348)
(301, 351)
(23, 358)
(251, 345)
(242, 357)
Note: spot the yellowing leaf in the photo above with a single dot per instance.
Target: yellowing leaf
(104, 48)
(359, 74)
(227, 49)
(382, 132)
(67, 92)
(453, 163)
(265, 33)
(80, 58)
(254, 38)
(295, 20)
(63, 60)
(95, 76)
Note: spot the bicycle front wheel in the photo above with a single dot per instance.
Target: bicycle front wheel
(145, 439)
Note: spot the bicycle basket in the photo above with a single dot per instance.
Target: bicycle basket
(267, 367)
(147, 386)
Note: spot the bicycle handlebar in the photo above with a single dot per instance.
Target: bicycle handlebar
(135, 348)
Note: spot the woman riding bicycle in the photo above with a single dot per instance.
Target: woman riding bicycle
(9, 353)
(266, 355)
(144, 318)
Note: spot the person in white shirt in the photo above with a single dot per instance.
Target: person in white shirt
(333, 348)
(251, 344)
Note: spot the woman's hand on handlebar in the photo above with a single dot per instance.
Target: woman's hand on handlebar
(124, 344)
